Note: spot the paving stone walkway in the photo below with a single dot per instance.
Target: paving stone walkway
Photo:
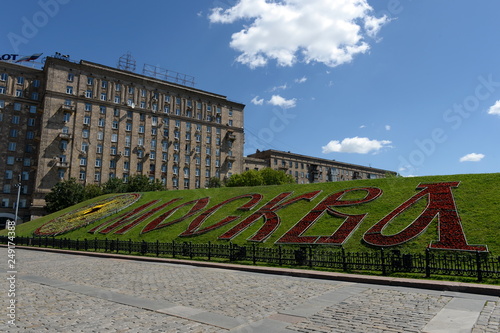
(58, 292)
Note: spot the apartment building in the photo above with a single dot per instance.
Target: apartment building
(308, 169)
(93, 122)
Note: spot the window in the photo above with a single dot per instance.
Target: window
(2, 104)
(20, 80)
(101, 122)
(15, 119)
(19, 93)
(117, 99)
(97, 176)
(69, 90)
(230, 123)
(143, 92)
(113, 150)
(128, 127)
(114, 125)
(32, 108)
(104, 84)
(71, 77)
(88, 107)
(12, 146)
(126, 165)
(127, 152)
(130, 90)
(25, 175)
(6, 188)
(166, 109)
(142, 117)
(83, 161)
(5, 202)
(34, 96)
(83, 175)
(139, 166)
(86, 120)
(17, 106)
(30, 135)
(100, 136)
(104, 97)
(4, 77)
(141, 129)
(85, 147)
(90, 81)
(88, 93)
(99, 149)
(13, 133)
(152, 155)
(98, 163)
(112, 164)
(116, 112)
(85, 133)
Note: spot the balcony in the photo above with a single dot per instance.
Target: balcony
(67, 108)
(231, 158)
(61, 164)
(65, 136)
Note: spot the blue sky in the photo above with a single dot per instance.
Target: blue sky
(409, 86)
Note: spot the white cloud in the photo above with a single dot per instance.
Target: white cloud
(387, 127)
(473, 157)
(355, 145)
(331, 32)
(257, 101)
(495, 109)
(301, 80)
(362, 126)
(282, 87)
(277, 100)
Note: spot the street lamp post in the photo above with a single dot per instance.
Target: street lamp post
(18, 185)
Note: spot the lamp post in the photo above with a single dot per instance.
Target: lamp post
(18, 185)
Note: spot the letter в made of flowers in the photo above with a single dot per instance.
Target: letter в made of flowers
(348, 226)
(440, 204)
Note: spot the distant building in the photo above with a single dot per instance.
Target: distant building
(93, 122)
(308, 169)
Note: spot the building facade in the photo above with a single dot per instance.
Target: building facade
(308, 169)
(21, 93)
(93, 123)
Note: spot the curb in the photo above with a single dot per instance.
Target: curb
(449, 286)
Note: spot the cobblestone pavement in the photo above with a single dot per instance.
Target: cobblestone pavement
(58, 292)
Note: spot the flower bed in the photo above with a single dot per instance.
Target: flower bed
(86, 215)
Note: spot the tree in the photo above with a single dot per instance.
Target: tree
(276, 177)
(214, 182)
(266, 176)
(114, 185)
(247, 178)
(91, 191)
(64, 194)
(142, 183)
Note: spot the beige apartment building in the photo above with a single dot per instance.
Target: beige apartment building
(308, 169)
(93, 122)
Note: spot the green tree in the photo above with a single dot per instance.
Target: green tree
(142, 183)
(247, 178)
(266, 176)
(276, 177)
(214, 182)
(64, 194)
(114, 185)
(91, 191)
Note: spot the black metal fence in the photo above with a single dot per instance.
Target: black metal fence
(477, 265)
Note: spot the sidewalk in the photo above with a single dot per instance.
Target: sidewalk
(68, 291)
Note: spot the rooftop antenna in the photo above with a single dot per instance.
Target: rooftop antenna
(126, 62)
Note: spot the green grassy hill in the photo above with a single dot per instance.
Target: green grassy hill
(477, 200)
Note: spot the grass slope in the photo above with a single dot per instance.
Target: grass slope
(477, 200)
